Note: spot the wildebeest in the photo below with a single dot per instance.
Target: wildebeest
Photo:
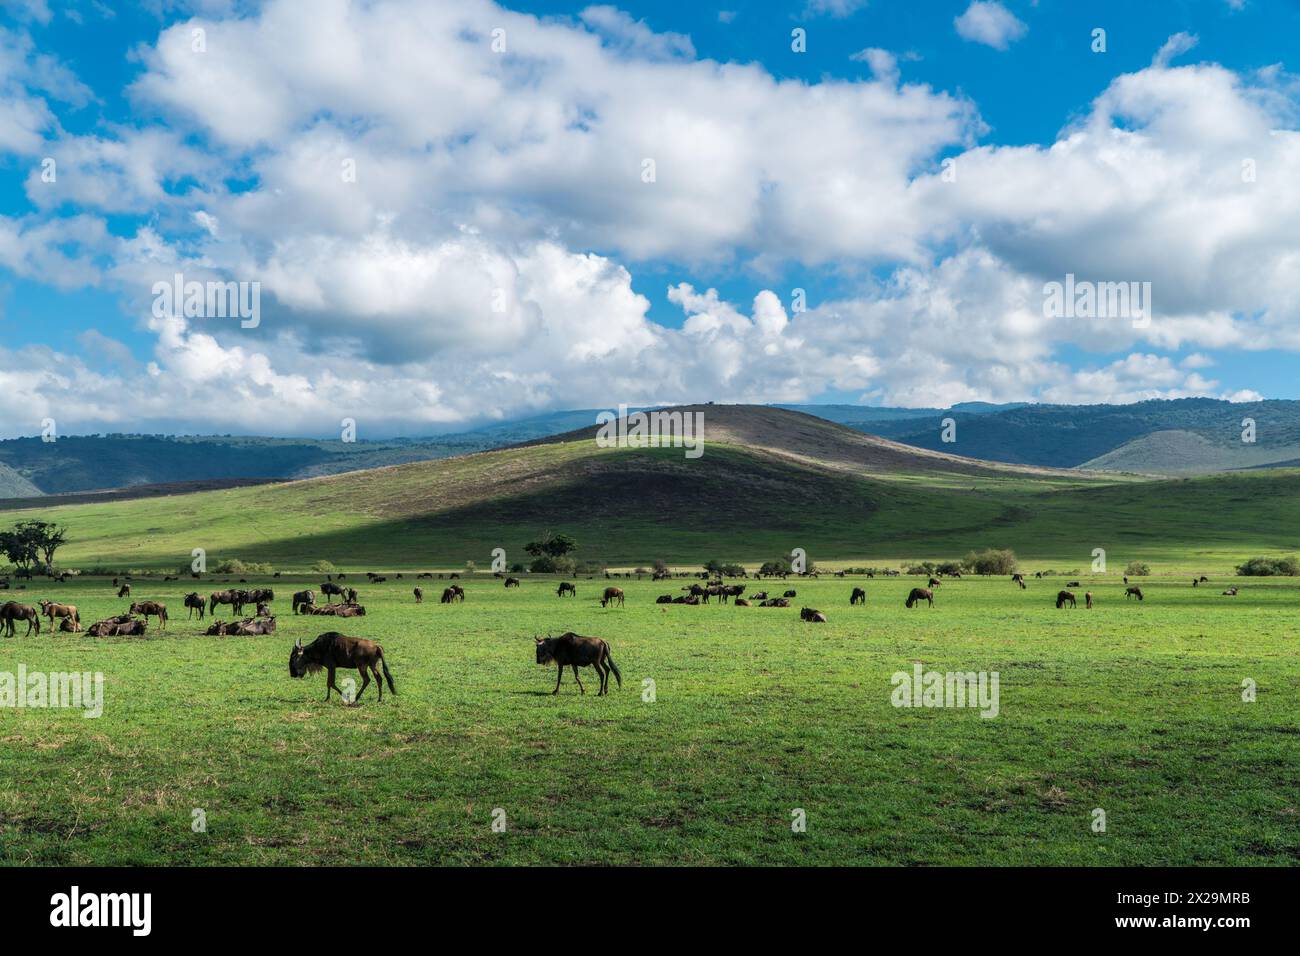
(194, 601)
(690, 599)
(664, 599)
(419, 595)
(611, 595)
(741, 602)
(1074, 584)
(334, 650)
(124, 591)
(149, 609)
(234, 597)
(349, 595)
(789, 594)
(811, 614)
(1195, 583)
(263, 610)
(302, 598)
(253, 626)
(329, 587)
(760, 596)
(1087, 600)
(116, 628)
(64, 611)
(566, 588)
(452, 594)
(1231, 592)
(1133, 592)
(69, 626)
(1204, 579)
(859, 596)
(918, 595)
(573, 650)
(12, 611)
(775, 602)
(934, 583)
(260, 596)
(1066, 597)
(512, 582)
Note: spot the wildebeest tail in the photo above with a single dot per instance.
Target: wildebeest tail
(384, 664)
(614, 667)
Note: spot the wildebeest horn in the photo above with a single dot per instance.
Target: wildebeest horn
(299, 644)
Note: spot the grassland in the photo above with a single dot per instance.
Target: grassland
(1132, 708)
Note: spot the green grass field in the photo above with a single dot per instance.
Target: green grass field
(1132, 708)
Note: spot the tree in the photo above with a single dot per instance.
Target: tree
(1136, 569)
(551, 545)
(991, 561)
(30, 541)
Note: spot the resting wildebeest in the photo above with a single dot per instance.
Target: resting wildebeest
(194, 601)
(1133, 592)
(253, 626)
(664, 599)
(775, 602)
(789, 594)
(113, 628)
(263, 610)
(859, 596)
(234, 597)
(918, 595)
(573, 650)
(1231, 592)
(612, 594)
(566, 588)
(1066, 597)
(760, 596)
(12, 611)
(66, 611)
(741, 602)
(810, 614)
(334, 650)
(419, 595)
(453, 593)
(151, 609)
(69, 626)
(512, 582)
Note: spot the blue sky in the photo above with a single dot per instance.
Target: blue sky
(818, 170)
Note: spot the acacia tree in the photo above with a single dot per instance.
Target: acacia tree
(30, 541)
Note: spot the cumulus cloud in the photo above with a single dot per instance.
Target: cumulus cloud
(990, 23)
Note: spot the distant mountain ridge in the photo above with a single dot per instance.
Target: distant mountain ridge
(1182, 436)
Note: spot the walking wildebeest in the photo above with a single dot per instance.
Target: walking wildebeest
(612, 594)
(918, 595)
(194, 601)
(419, 595)
(859, 596)
(302, 599)
(1064, 597)
(512, 582)
(234, 597)
(65, 611)
(151, 608)
(12, 611)
(810, 614)
(566, 588)
(124, 591)
(1087, 600)
(1133, 592)
(573, 650)
(334, 650)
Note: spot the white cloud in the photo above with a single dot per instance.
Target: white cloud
(1176, 45)
(989, 23)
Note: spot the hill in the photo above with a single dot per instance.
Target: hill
(768, 481)
(14, 485)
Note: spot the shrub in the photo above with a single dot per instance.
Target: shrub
(324, 567)
(1136, 569)
(236, 566)
(1270, 567)
(550, 565)
(991, 561)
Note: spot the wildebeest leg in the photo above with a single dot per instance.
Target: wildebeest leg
(602, 669)
(379, 681)
(559, 673)
(365, 682)
(578, 679)
(329, 684)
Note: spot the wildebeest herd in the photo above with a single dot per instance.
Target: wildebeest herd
(332, 650)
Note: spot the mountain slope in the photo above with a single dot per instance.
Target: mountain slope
(14, 485)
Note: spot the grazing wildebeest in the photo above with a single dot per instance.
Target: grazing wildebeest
(234, 597)
(378, 579)
(512, 582)
(1087, 600)
(334, 650)
(918, 595)
(419, 595)
(789, 594)
(69, 626)
(65, 611)
(612, 594)
(1066, 597)
(859, 596)
(1133, 592)
(934, 583)
(329, 588)
(12, 611)
(566, 588)
(301, 599)
(1204, 579)
(194, 601)
(1195, 583)
(453, 593)
(811, 614)
(573, 650)
(149, 609)
(124, 590)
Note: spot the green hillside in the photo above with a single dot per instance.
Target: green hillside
(840, 495)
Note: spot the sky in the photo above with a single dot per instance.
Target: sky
(445, 214)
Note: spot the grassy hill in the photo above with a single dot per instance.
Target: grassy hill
(768, 481)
